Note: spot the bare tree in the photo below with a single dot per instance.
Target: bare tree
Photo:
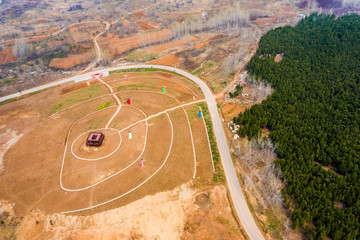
(20, 48)
(312, 6)
(226, 20)
(351, 3)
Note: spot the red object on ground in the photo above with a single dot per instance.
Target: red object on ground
(128, 101)
(97, 75)
(95, 139)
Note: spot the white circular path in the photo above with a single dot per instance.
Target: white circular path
(119, 131)
(236, 193)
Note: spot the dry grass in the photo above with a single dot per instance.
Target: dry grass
(171, 46)
(170, 60)
(7, 56)
(116, 46)
(71, 60)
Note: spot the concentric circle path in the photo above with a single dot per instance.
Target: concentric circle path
(236, 193)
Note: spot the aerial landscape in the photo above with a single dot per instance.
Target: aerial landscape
(169, 119)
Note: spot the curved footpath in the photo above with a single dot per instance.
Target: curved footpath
(233, 183)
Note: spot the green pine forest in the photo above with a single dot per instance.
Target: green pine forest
(314, 117)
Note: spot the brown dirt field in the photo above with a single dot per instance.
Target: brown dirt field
(79, 173)
(231, 110)
(24, 115)
(204, 170)
(42, 32)
(164, 47)
(173, 83)
(52, 42)
(124, 23)
(78, 86)
(42, 149)
(84, 27)
(150, 103)
(108, 146)
(94, 121)
(127, 115)
(9, 43)
(71, 60)
(41, 190)
(39, 38)
(139, 13)
(82, 36)
(194, 214)
(145, 25)
(208, 221)
(7, 56)
(180, 92)
(265, 21)
(201, 45)
(72, 98)
(118, 46)
(33, 197)
(154, 155)
(172, 89)
(170, 60)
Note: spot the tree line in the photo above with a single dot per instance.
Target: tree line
(314, 117)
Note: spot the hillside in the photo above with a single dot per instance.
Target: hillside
(313, 116)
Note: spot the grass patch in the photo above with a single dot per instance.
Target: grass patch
(149, 70)
(219, 175)
(77, 97)
(105, 105)
(137, 70)
(143, 56)
(205, 68)
(226, 222)
(198, 71)
(275, 224)
(7, 80)
(151, 87)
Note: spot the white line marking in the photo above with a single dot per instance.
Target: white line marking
(207, 135)
(146, 119)
(188, 88)
(111, 95)
(95, 159)
(52, 115)
(81, 189)
(192, 141)
(116, 99)
(159, 113)
(113, 199)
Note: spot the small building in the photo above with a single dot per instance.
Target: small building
(95, 139)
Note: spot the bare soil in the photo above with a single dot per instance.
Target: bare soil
(42, 148)
(146, 25)
(171, 46)
(170, 60)
(71, 60)
(116, 46)
(231, 110)
(146, 218)
(7, 56)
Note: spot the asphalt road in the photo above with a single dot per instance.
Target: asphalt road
(233, 183)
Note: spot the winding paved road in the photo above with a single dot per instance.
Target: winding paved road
(233, 183)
